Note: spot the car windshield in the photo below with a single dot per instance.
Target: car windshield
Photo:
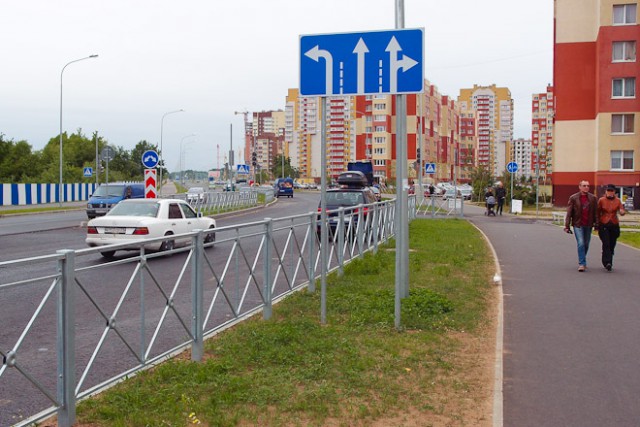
(109, 191)
(344, 198)
(135, 209)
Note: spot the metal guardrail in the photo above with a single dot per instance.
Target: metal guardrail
(105, 331)
(438, 205)
(213, 202)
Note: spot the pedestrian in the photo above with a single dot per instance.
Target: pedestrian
(501, 194)
(490, 201)
(581, 214)
(608, 224)
(432, 190)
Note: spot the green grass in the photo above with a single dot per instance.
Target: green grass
(293, 371)
(631, 238)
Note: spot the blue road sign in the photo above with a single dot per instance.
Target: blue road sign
(512, 167)
(242, 169)
(88, 172)
(150, 159)
(429, 168)
(376, 62)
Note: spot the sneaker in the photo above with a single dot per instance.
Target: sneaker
(608, 267)
(582, 268)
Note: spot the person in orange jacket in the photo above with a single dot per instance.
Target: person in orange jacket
(608, 224)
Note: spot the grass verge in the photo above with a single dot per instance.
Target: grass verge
(357, 369)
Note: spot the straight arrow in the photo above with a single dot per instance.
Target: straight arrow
(360, 50)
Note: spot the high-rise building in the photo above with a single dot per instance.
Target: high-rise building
(542, 114)
(521, 153)
(494, 107)
(597, 109)
(363, 128)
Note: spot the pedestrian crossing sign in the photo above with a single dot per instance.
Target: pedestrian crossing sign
(429, 168)
(88, 172)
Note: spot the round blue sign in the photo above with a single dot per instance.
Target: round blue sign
(150, 159)
(512, 167)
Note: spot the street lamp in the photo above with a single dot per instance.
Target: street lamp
(181, 157)
(61, 74)
(161, 129)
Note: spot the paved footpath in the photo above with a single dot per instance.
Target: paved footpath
(571, 340)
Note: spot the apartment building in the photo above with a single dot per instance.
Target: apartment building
(542, 115)
(522, 154)
(494, 107)
(597, 110)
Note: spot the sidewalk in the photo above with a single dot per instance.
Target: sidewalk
(571, 340)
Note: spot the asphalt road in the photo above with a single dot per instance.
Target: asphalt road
(105, 286)
(571, 340)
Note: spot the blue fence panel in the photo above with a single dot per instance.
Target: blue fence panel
(34, 194)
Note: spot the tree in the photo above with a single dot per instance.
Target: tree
(289, 171)
(481, 179)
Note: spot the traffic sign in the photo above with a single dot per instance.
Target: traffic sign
(150, 180)
(376, 62)
(88, 172)
(108, 153)
(429, 168)
(512, 167)
(242, 169)
(150, 159)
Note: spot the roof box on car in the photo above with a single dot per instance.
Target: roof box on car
(352, 179)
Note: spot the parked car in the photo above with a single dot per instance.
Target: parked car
(195, 194)
(448, 194)
(110, 194)
(137, 220)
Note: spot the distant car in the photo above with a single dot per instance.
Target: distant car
(377, 193)
(448, 194)
(137, 220)
(195, 194)
(353, 192)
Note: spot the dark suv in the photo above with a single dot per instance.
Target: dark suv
(353, 192)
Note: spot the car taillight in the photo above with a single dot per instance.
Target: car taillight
(92, 230)
(141, 231)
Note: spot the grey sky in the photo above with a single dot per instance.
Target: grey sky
(213, 57)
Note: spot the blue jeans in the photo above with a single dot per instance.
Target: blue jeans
(583, 237)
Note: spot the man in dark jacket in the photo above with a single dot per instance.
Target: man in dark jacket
(501, 194)
(581, 213)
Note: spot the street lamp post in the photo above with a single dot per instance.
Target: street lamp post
(61, 75)
(161, 163)
(182, 158)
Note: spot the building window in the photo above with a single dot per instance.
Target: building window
(624, 51)
(622, 123)
(624, 88)
(621, 160)
(624, 14)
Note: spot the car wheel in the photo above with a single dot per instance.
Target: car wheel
(107, 254)
(167, 245)
(211, 237)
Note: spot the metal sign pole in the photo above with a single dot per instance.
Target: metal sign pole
(324, 235)
(402, 225)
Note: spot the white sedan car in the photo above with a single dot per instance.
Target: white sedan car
(195, 195)
(137, 220)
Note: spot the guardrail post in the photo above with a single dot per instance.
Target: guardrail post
(197, 328)
(374, 226)
(360, 228)
(268, 230)
(312, 251)
(341, 230)
(66, 340)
